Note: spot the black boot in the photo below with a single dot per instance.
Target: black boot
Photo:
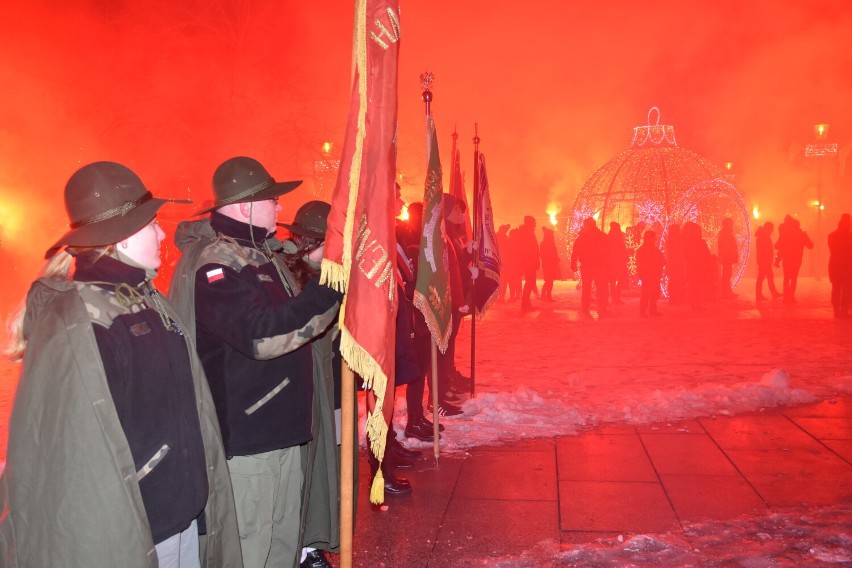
(315, 559)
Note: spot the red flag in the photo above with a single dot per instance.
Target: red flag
(360, 244)
(457, 188)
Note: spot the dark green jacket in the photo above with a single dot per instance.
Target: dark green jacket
(68, 495)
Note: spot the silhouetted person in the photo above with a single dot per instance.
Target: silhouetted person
(792, 241)
(590, 251)
(676, 266)
(840, 266)
(550, 269)
(514, 271)
(503, 246)
(699, 265)
(618, 275)
(528, 249)
(764, 261)
(649, 270)
(726, 248)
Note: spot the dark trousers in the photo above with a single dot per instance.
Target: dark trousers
(791, 276)
(764, 272)
(841, 295)
(648, 297)
(586, 281)
(529, 286)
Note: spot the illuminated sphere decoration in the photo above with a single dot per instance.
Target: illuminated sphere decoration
(656, 183)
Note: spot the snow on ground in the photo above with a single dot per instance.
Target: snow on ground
(553, 372)
(550, 372)
(816, 538)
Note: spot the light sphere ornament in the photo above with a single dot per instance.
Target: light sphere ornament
(656, 183)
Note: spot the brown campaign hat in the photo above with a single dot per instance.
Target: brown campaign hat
(241, 180)
(106, 202)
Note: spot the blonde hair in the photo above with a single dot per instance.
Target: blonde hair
(58, 267)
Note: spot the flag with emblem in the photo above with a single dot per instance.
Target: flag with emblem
(432, 291)
(488, 256)
(360, 244)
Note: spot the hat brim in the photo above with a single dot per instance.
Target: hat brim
(275, 190)
(109, 231)
(300, 230)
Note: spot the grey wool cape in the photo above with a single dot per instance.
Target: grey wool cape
(69, 495)
(320, 519)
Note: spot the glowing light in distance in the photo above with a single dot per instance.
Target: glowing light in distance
(404, 214)
(755, 212)
(326, 147)
(821, 131)
(729, 166)
(10, 219)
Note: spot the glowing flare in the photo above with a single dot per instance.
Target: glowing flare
(755, 212)
(552, 210)
(10, 220)
(404, 214)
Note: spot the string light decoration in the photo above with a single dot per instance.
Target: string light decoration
(656, 183)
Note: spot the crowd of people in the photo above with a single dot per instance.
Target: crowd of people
(692, 272)
(203, 428)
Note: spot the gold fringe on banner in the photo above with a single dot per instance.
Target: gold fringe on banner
(336, 275)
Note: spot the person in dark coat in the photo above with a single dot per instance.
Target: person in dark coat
(699, 264)
(764, 261)
(253, 325)
(549, 263)
(726, 248)
(676, 266)
(503, 247)
(840, 266)
(530, 259)
(618, 275)
(649, 269)
(115, 454)
(791, 245)
(514, 271)
(590, 253)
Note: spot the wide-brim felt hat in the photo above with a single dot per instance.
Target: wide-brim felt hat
(106, 202)
(311, 220)
(242, 180)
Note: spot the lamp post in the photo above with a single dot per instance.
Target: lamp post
(325, 172)
(820, 150)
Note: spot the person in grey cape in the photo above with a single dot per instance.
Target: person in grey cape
(115, 455)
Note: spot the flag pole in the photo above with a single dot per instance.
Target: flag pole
(476, 242)
(427, 99)
(347, 464)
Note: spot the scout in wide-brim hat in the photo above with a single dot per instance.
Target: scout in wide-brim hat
(106, 203)
(311, 220)
(242, 180)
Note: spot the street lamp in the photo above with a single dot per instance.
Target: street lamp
(818, 150)
(325, 172)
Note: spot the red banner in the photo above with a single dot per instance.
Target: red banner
(360, 245)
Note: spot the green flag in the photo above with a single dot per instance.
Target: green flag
(432, 292)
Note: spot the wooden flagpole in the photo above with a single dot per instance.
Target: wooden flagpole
(347, 464)
(476, 243)
(427, 98)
